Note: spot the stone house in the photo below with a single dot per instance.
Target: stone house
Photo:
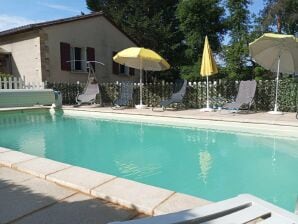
(57, 51)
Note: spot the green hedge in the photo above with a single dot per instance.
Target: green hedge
(69, 91)
(195, 96)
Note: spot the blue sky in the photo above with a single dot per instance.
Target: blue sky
(20, 12)
(15, 13)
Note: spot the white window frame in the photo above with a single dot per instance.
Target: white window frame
(83, 58)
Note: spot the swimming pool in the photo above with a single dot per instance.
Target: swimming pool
(207, 163)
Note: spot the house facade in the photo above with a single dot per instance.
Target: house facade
(57, 51)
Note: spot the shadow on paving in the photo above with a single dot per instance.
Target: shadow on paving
(38, 201)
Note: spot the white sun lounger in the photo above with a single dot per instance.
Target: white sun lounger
(89, 94)
(26, 97)
(239, 210)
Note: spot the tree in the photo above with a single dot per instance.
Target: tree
(198, 18)
(280, 13)
(236, 53)
(152, 23)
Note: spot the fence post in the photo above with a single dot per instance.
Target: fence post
(5, 82)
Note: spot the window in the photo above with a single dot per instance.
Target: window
(91, 56)
(121, 69)
(74, 58)
(78, 59)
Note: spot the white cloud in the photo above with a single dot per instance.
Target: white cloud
(59, 7)
(8, 22)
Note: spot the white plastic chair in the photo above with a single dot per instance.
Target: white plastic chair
(239, 210)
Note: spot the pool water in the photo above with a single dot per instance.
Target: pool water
(210, 164)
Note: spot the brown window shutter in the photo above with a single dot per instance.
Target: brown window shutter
(65, 56)
(91, 56)
(115, 65)
(131, 71)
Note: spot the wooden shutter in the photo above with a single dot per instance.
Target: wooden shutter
(65, 56)
(131, 71)
(91, 56)
(115, 65)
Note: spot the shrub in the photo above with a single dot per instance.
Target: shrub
(195, 96)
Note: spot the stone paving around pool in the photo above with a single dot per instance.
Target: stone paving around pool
(287, 119)
(39, 190)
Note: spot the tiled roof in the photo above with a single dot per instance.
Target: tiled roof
(35, 26)
(48, 23)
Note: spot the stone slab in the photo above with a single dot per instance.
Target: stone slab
(79, 178)
(11, 157)
(29, 196)
(79, 209)
(40, 167)
(132, 194)
(4, 150)
(9, 177)
(179, 202)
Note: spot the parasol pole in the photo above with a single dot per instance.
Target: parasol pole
(141, 83)
(207, 106)
(276, 90)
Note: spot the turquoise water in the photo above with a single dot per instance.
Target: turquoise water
(214, 165)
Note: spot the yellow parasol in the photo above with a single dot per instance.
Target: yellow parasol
(143, 59)
(208, 68)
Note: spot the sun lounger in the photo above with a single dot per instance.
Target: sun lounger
(177, 96)
(245, 96)
(241, 209)
(26, 97)
(125, 97)
(89, 94)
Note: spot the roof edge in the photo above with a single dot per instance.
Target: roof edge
(37, 26)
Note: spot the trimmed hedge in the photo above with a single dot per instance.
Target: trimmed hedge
(69, 91)
(195, 96)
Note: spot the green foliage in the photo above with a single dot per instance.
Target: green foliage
(198, 19)
(259, 72)
(176, 29)
(152, 23)
(195, 97)
(284, 10)
(236, 53)
(4, 75)
(191, 72)
(68, 91)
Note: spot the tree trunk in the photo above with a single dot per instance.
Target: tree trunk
(278, 23)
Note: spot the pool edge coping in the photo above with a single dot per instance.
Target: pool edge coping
(189, 122)
(181, 117)
(185, 117)
(147, 207)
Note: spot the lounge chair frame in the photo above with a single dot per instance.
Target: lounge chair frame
(242, 209)
(125, 97)
(245, 97)
(91, 89)
(176, 97)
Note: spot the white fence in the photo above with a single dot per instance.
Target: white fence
(18, 83)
